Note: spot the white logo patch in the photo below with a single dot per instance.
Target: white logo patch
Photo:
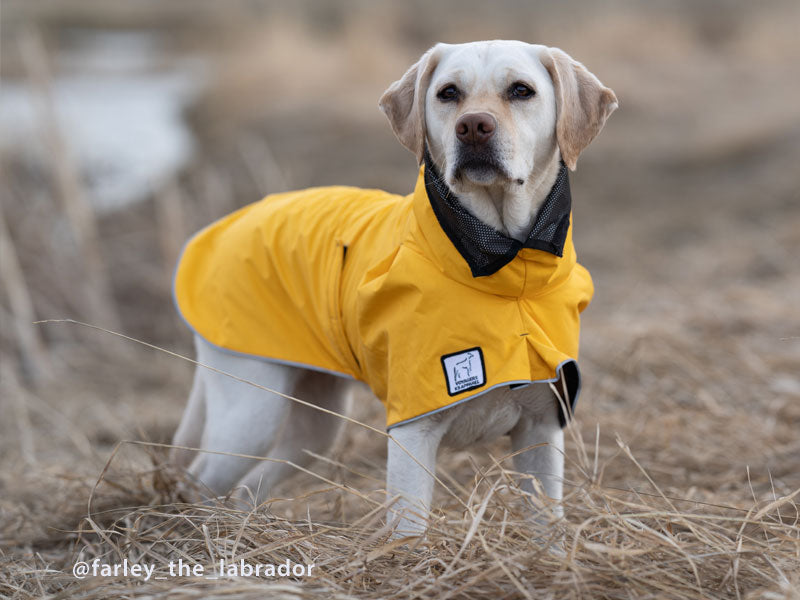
(464, 370)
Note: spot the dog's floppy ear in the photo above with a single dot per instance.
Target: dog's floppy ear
(582, 103)
(404, 102)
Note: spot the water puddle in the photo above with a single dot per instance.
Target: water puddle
(118, 100)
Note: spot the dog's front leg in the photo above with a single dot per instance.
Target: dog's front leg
(542, 433)
(411, 479)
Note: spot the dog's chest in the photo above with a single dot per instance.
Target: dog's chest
(493, 414)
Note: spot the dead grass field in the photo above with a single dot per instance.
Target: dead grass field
(683, 462)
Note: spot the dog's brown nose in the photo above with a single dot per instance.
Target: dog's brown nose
(475, 128)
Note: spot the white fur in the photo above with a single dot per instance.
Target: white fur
(229, 416)
(525, 135)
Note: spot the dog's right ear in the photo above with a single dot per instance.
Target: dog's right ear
(404, 102)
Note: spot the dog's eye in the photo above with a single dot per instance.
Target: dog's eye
(520, 90)
(448, 93)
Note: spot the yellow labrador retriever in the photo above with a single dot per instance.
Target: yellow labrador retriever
(458, 304)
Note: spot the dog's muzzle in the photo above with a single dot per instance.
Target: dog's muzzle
(476, 157)
(479, 164)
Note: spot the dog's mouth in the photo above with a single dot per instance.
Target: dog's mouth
(478, 166)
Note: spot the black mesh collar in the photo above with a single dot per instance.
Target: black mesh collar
(485, 249)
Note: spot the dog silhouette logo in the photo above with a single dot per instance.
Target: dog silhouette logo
(464, 370)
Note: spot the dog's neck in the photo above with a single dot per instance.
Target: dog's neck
(510, 208)
(540, 220)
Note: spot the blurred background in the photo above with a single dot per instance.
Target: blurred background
(126, 126)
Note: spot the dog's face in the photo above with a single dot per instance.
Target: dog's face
(490, 114)
(493, 112)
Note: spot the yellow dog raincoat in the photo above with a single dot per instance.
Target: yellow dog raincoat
(375, 286)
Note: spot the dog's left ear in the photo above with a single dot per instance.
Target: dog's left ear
(404, 102)
(582, 103)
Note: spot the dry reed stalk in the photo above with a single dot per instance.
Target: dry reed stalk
(170, 225)
(217, 194)
(261, 164)
(14, 393)
(77, 208)
(23, 314)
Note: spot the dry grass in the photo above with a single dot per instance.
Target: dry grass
(700, 508)
(622, 537)
(683, 462)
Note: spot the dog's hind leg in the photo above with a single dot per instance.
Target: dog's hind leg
(190, 431)
(306, 430)
(239, 418)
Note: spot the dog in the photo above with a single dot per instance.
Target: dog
(458, 305)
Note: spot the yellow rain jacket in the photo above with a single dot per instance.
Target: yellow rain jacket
(366, 284)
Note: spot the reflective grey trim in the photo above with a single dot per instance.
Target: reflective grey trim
(288, 363)
(571, 401)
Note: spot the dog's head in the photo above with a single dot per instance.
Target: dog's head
(493, 112)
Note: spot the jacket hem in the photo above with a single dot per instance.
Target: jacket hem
(563, 419)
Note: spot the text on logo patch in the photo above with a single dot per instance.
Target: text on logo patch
(464, 370)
